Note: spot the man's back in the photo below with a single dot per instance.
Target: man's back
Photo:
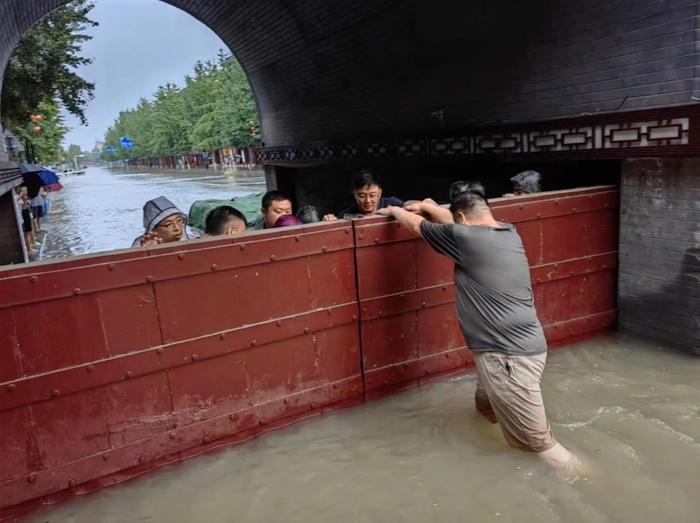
(494, 294)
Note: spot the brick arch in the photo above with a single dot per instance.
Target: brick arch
(353, 70)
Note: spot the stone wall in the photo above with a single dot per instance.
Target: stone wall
(659, 272)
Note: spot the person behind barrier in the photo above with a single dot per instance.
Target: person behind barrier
(367, 190)
(163, 223)
(525, 182)
(496, 313)
(308, 214)
(224, 220)
(274, 205)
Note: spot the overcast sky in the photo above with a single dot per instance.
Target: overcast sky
(139, 45)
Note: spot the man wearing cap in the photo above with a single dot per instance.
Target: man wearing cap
(163, 223)
(496, 312)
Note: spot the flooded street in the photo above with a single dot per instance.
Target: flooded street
(102, 210)
(628, 408)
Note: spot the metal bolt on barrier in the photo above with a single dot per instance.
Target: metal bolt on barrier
(214, 266)
(253, 343)
(33, 279)
(222, 337)
(55, 393)
(72, 482)
(243, 247)
(11, 387)
(232, 417)
(159, 351)
(76, 291)
(324, 249)
(141, 459)
(110, 267)
(149, 279)
(31, 478)
(129, 374)
(278, 323)
(273, 257)
(307, 330)
(90, 368)
(195, 357)
(172, 435)
(180, 257)
(297, 238)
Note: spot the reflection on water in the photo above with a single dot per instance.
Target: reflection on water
(102, 210)
(628, 408)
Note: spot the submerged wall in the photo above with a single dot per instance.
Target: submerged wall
(660, 250)
(116, 364)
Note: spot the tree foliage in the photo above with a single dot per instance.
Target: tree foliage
(45, 147)
(43, 67)
(214, 109)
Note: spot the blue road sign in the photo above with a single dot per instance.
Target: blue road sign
(126, 142)
(111, 149)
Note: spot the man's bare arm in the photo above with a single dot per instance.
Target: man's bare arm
(409, 220)
(436, 213)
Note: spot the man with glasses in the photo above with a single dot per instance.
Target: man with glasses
(368, 198)
(163, 223)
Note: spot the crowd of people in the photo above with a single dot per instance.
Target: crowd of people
(164, 223)
(495, 305)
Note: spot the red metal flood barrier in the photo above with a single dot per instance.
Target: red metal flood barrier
(116, 364)
(116, 367)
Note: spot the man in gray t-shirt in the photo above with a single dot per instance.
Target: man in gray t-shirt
(496, 312)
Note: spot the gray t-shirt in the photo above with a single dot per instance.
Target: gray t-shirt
(495, 305)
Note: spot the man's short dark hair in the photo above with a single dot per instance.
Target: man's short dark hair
(468, 197)
(219, 218)
(366, 178)
(273, 196)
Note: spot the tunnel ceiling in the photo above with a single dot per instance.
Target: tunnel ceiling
(348, 70)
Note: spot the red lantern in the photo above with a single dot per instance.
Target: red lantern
(37, 118)
(36, 130)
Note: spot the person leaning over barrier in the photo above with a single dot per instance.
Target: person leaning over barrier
(224, 221)
(274, 205)
(163, 223)
(367, 190)
(496, 313)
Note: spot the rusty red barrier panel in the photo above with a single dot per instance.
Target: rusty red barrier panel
(115, 364)
(408, 325)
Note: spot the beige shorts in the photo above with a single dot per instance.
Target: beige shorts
(508, 391)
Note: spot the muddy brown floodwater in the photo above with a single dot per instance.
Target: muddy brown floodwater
(628, 408)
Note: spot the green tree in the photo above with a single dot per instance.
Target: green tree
(43, 66)
(46, 146)
(214, 109)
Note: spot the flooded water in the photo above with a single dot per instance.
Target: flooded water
(628, 408)
(103, 210)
